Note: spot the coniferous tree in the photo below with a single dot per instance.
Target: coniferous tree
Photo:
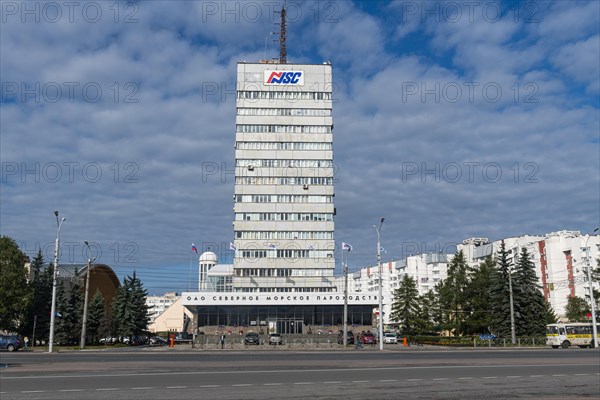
(479, 297)
(426, 314)
(405, 305)
(576, 309)
(453, 294)
(129, 309)
(95, 316)
(15, 292)
(38, 314)
(61, 327)
(528, 299)
(139, 307)
(500, 296)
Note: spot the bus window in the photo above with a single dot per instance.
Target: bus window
(561, 330)
(552, 330)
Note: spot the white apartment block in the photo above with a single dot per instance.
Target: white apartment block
(158, 304)
(559, 258)
(426, 269)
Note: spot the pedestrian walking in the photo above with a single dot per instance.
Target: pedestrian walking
(222, 341)
(358, 342)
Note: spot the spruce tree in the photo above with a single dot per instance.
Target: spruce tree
(529, 301)
(453, 296)
(406, 305)
(499, 294)
(140, 318)
(38, 313)
(479, 297)
(15, 293)
(95, 316)
(426, 314)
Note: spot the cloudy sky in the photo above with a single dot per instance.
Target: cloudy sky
(452, 120)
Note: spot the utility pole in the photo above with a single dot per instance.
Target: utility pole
(380, 322)
(86, 296)
(592, 301)
(345, 298)
(513, 335)
(54, 277)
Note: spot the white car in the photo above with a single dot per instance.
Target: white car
(390, 338)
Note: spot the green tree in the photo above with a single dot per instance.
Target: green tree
(500, 294)
(405, 305)
(38, 313)
(70, 307)
(529, 302)
(576, 309)
(15, 293)
(453, 294)
(95, 316)
(479, 298)
(129, 309)
(426, 314)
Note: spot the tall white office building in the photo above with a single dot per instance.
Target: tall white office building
(283, 200)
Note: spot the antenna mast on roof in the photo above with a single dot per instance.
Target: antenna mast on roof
(282, 37)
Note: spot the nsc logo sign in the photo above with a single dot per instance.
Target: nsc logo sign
(294, 78)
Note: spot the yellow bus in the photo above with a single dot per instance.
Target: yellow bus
(570, 334)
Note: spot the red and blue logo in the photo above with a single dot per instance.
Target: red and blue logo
(284, 77)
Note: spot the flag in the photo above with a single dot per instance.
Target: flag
(346, 246)
(194, 248)
(383, 250)
(271, 246)
(232, 246)
(311, 247)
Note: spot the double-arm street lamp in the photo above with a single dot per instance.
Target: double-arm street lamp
(87, 293)
(380, 324)
(54, 277)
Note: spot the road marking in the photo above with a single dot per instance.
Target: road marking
(331, 382)
(142, 388)
(176, 387)
(559, 375)
(414, 379)
(388, 380)
(272, 384)
(536, 376)
(489, 377)
(360, 381)
(581, 374)
(465, 378)
(514, 376)
(440, 379)
(71, 390)
(105, 389)
(209, 386)
(242, 384)
(303, 383)
(32, 391)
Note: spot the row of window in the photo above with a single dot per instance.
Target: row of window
(287, 290)
(271, 198)
(282, 272)
(283, 95)
(274, 180)
(284, 235)
(284, 163)
(283, 217)
(283, 146)
(244, 128)
(284, 253)
(284, 112)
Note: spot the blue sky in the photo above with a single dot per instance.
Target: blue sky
(452, 120)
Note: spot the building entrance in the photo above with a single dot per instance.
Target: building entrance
(289, 326)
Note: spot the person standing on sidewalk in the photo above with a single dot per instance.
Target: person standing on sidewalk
(222, 341)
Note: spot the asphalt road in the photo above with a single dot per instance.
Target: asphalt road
(370, 374)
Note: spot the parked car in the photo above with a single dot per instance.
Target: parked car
(275, 338)
(158, 341)
(183, 337)
(390, 338)
(109, 340)
(368, 338)
(252, 338)
(349, 337)
(10, 342)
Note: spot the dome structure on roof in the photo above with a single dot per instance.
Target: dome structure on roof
(208, 257)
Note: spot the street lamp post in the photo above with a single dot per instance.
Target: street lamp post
(592, 301)
(86, 296)
(54, 277)
(513, 334)
(345, 299)
(380, 324)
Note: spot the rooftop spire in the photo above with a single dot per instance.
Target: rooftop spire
(282, 38)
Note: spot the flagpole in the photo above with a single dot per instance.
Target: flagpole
(345, 297)
(190, 277)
